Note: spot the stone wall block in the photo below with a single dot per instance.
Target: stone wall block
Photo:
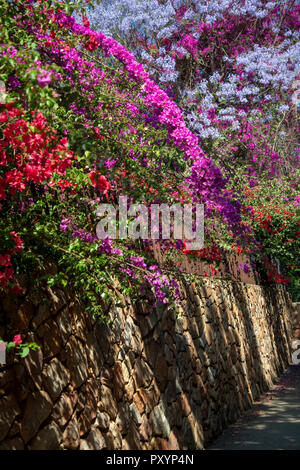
(9, 409)
(71, 436)
(55, 378)
(94, 441)
(49, 438)
(107, 402)
(77, 361)
(38, 408)
(160, 420)
(63, 410)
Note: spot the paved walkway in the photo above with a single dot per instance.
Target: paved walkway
(273, 423)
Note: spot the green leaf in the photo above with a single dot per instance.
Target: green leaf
(24, 352)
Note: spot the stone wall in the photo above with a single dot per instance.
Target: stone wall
(147, 380)
(296, 320)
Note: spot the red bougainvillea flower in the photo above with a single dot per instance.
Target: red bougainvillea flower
(17, 290)
(273, 274)
(38, 152)
(85, 21)
(5, 260)
(99, 181)
(18, 241)
(17, 339)
(238, 249)
(98, 135)
(7, 274)
(92, 43)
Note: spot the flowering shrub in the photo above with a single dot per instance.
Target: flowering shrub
(231, 68)
(85, 121)
(72, 125)
(30, 150)
(273, 213)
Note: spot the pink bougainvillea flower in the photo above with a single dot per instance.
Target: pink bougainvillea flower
(17, 339)
(44, 78)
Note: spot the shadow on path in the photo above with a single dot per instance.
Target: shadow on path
(273, 423)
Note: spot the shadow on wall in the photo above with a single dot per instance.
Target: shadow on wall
(296, 320)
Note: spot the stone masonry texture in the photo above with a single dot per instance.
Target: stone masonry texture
(296, 320)
(146, 380)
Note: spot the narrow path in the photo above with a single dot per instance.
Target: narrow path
(273, 423)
